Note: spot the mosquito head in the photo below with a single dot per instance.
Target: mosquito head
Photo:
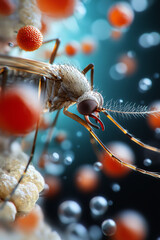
(89, 105)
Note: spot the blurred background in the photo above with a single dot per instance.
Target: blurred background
(126, 60)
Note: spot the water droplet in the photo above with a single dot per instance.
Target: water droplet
(66, 145)
(79, 134)
(98, 166)
(76, 231)
(118, 71)
(68, 160)
(109, 227)
(95, 233)
(144, 85)
(98, 205)
(147, 162)
(116, 187)
(55, 157)
(69, 212)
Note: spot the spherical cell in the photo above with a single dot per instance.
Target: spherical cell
(29, 222)
(7, 7)
(109, 227)
(29, 38)
(120, 15)
(98, 205)
(130, 225)
(25, 197)
(111, 167)
(69, 212)
(72, 48)
(8, 212)
(57, 9)
(86, 179)
(19, 110)
(153, 119)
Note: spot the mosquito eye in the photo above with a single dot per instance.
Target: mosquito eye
(87, 107)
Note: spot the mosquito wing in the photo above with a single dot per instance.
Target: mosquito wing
(28, 65)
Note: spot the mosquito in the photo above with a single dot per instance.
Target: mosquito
(63, 86)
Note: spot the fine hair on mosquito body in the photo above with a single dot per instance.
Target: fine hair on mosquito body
(62, 85)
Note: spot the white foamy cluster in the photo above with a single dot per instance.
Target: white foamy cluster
(26, 13)
(12, 166)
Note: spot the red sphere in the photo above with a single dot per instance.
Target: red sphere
(29, 38)
(19, 110)
(57, 8)
(120, 15)
(111, 167)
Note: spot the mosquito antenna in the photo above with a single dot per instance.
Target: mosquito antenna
(131, 137)
(129, 109)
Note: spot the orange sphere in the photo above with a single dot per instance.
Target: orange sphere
(29, 222)
(88, 46)
(154, 120)
(29, 38)
(57, 9)
(116, 34)
(86, 179)
(120, 15)
(130, 63)
(72, 48)
(111, 167)
(7, 7)
(130, 226)
(54, 185)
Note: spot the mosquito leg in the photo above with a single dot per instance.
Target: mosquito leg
(83, 123)
(4, 72)
(94, 146)
(86, 69)
(130, 136)
(55, 49)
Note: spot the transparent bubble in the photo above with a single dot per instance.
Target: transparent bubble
(79, 134)
(109, 227)
(156, 75)
(147, 162)
(144, 85)
(147, 40)
(76, 231)
(95, 233)
(98, 205)
(120, 100)
(68, 160)
(101, 29)
(54, 168)
(66, 145)
(131, 54)
(98, 166)
(55, 157)
(157, 133)
(139, 5)
(116, 187)
(118, 71)
(69, 212)
(110, 203)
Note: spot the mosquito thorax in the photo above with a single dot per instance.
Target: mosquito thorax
(89, 102)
